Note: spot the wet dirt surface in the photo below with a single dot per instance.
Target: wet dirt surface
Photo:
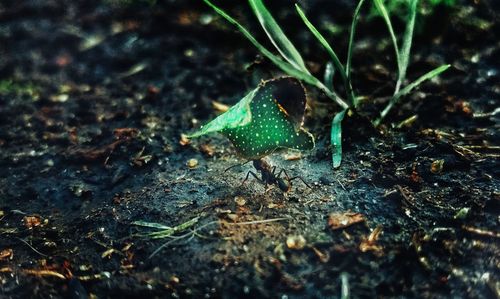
(94, 97)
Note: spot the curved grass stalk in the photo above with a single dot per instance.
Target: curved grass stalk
(407, 90)
(283, 65)
(351, 42)
(405, 49)
(336, 62)
(379, 4)
(277, 36)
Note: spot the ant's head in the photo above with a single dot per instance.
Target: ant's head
(284, 185)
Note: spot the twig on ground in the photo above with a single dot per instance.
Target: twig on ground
(32, 248)
(170, 231)
(481, 232)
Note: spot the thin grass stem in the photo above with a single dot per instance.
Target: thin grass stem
(351, 38)
(379, 4)
(407, 89)
(336, 62)
(406, 47)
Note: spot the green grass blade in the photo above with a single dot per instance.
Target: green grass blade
(336, 62)
(331, 94)
(329, 74)
(426, 76)
(349, 49)
(283, 65)
(277, 36)
(336, 138)
(151, 225)
(408, 89)
(379, 4)
(407, 39)
(351, 38)
(176, 229)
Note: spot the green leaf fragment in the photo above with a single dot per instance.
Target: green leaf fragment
(462, 213)
(268, 118)
(336, 138)
(238, 115)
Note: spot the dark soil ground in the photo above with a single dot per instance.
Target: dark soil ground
(94, 97)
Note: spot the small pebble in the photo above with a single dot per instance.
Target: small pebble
(232, 217)
(437, 166)
(184, 140)
(174, 279)
(296, 242)
(240, 201)
(272, 206)
(192, 163)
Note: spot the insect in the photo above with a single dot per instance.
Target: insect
(267, 119)
(270, 177)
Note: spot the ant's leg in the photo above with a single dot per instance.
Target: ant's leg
(298, 177)
(285, 185)
(248, 175)
(283, 171)
(273, 170)
(294, 178)
(257, 178)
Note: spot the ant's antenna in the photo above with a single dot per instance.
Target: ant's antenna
(240, 164)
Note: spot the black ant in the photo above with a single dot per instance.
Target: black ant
(269, 176)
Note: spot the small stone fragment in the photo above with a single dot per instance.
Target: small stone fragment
(49, 163)
(342, 220)
(232, 217)
(32, 221)
(174, 279)
(61, 98)
(292, 156)
(240, 201)
(272, 206)
(207, 149)
(6, 254)
(184, 140)
(437, 166)
(219, 107)
(296, 242)
(192, 163)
